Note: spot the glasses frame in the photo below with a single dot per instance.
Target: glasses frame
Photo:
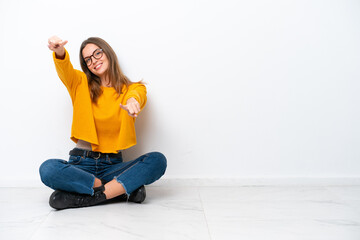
(92, 55)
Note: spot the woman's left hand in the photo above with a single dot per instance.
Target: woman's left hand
(132, 107)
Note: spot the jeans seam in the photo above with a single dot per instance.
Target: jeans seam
(122, 172)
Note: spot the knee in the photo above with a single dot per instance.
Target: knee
(48, 170)
(159, 161)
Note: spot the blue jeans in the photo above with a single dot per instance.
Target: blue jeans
(78, 174)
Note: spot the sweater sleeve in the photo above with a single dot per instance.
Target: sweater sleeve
(68, 75)
(137, 91)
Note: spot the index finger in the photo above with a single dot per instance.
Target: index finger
(63, 43)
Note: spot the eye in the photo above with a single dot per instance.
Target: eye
(98, 53)
(87, 60)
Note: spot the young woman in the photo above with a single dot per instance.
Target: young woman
(105, 105)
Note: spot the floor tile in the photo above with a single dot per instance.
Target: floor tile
(22, 211)
(278, 210)
(346, 192)
(209, 213)
(283, 230)
(169, 218)
(268, 193)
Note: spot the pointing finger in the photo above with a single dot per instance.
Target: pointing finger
(63, 43)
(122, 106)
(126, 108)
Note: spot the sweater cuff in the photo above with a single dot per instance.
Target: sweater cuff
(66, 58)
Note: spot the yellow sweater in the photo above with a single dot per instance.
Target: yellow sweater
(105, 125)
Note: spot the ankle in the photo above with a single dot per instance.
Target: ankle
(113, 189)
(97, 183)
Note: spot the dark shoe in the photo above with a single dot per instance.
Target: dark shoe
(62, 200)
(138, 196)
(99, 189)
(121, 198)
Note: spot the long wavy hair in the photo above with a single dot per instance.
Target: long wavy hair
(114, 72)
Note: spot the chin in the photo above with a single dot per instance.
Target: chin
(101, 72)
(98, 74)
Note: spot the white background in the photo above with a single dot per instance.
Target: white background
(236, 89)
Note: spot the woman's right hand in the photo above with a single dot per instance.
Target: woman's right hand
(57, 45)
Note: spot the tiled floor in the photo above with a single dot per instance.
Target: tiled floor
(216, 213)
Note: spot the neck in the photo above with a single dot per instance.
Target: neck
(105, 81)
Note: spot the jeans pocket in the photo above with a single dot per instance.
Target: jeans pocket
(75, 159)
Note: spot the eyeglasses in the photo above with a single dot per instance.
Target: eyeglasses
(97, 54)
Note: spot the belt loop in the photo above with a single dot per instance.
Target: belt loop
(85, 154)
(96, 158)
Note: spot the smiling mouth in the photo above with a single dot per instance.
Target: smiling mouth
(98, 66)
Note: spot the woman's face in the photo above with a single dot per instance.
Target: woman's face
(98, 66)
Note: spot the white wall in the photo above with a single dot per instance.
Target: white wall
(236, 88)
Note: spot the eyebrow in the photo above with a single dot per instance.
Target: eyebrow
(87, 56)
(92, 53)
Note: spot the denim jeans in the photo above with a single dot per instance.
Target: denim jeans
(78, 174)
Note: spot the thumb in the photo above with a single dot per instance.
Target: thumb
(124, 107)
